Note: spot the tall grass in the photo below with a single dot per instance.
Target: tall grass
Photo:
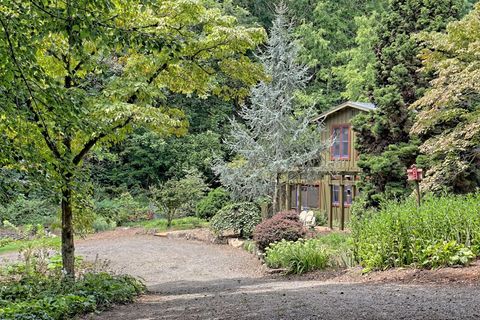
(297, 257)
(332, 250)
(443, 231)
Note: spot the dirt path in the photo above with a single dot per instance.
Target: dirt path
(193, 280)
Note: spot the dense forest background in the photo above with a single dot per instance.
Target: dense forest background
(360, 50)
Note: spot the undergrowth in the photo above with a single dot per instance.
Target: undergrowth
(185, 223)
(444, 231)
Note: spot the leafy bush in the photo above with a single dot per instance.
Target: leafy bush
(320, 218)
(297, 257)
(282, 226)
(443, 231)
(28, 211)
(101, 224)
(120, 210)
(237, 217)
(446, 254)
(212, 203)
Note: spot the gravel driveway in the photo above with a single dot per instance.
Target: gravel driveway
(194, 280)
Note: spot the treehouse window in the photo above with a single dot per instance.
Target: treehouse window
(309, 197)
(335, 195)
(341, 143)
(347, 195)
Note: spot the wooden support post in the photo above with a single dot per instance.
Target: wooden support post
(342, 206)
(328, 200)
(288, 196)
(419, 195)
(299, 198)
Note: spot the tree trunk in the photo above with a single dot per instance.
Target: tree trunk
(68, 247)
(170, 216)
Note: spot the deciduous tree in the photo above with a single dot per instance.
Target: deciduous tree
(76, 74)
(448, 115)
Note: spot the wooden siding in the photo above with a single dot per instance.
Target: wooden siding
(342, 117)
(341, 172)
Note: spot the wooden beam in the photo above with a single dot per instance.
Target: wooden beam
(299, 198)
(288, 196)
(342, 207)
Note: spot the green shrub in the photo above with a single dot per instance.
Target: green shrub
(282, 226)
(237, 217)
(121, 210)
(297, 257)
(249, 246)
(443, 231)
(320, 218)
(28, 211)
(101, 224)
(212, 203)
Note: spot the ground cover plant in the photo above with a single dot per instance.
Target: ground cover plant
(37, 296)
(444, 231)
(35, 287)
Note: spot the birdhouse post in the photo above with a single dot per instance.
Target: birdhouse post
(416, 175)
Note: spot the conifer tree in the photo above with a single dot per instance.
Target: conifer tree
(272, 137)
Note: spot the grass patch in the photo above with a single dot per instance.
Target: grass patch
(16, 245)
(177, 224)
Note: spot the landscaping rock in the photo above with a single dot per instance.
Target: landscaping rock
(235, 242)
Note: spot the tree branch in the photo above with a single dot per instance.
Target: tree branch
(46, 11)
(36, 115)
(89, 145)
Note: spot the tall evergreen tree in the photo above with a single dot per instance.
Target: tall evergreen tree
(383, 136)
(274, 138)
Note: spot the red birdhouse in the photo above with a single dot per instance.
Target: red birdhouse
(414, 173)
